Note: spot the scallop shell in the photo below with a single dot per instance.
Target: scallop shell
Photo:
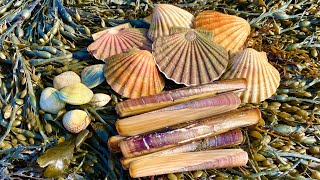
(50, 102)
(93, 75)
(76, 94)
(229, 31)
(166, 16)
(117, 40)
(65, 79)
(133, 74)
(262, 78)
(76, 120)
(189, 57)
(97, 35)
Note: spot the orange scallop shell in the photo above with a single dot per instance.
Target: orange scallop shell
(166, 16)
(262, 78)
(117, 40)
(133, 74)
(229, 31)
(189, 57)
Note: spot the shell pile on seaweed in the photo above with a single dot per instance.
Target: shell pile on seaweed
(177, 124)
(166, 127)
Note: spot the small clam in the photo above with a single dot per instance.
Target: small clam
(76, 94)
(100, 99)
(66, 79)
(93, 76)
(76, 120)
(50, 102)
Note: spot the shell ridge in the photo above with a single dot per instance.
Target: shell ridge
(204, 56)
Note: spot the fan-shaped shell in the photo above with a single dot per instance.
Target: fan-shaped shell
(133, 74)
(166, 16)
(97, 35)
(189, 57)
(117, 40)
(262, 78)
(229, 31)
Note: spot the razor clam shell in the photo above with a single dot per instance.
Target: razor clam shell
(202, 128)
(176, 114)
(230, 138)
(188, 161)
(262, 78)
(133, 74)
(189, 57)
(229, 31)
(168, 98)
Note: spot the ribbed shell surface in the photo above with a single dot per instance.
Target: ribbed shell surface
(229, 31)
(262, 78)
(189, 57)
(134, 74)
(166, 16)
(97, 35)
(116, 41)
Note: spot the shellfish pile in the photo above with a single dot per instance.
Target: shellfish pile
(185, 55)
(166, 128)
(189, 51)
(47, 76)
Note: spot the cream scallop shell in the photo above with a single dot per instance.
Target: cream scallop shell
(189, 57)
(117, 40)
(133, 74)
(76, 120)
(262, 78)
(166, 16)
(229, 31)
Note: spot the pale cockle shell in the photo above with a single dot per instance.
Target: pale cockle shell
(117, 40)
(50, 102)
(76, 94)
(100, 99)
(65, 79)
(189, 56)
(229, 31)
(92, 76)
(133, 74)
(76, 120)
(166, 16)
(262, 78)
